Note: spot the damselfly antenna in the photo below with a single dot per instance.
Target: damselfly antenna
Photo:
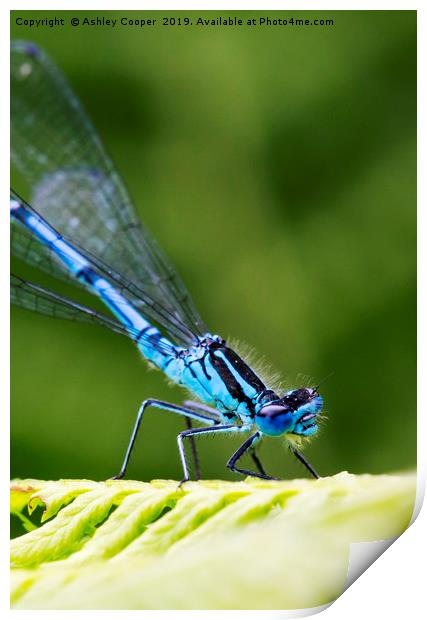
(316, 387)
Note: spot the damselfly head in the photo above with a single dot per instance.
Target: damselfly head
(296, 413)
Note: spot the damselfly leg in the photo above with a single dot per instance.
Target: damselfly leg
(194, 453)
(162, 405)
(218, 428)
(248, 445)
(192, 404)
(304, 461)
(257, 461)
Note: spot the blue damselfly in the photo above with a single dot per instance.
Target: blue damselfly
(81, 227)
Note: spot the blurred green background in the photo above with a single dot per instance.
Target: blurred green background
(276, 167)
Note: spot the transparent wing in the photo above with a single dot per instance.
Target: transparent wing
(76, 188)
(34, 297)
(30, 249)
(39, 299)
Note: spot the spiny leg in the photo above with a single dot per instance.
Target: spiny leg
(196, 406)
(211, 411)
(257, 461)
(194, 453)
(304, 461)
(162, 405)
(218, 428)
(247, 445)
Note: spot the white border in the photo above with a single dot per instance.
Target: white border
(394, 586)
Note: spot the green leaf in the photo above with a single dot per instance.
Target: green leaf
(206, 545)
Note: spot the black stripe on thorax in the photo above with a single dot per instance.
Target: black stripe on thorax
(230, 382)
(243, 369)
(202, 362)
